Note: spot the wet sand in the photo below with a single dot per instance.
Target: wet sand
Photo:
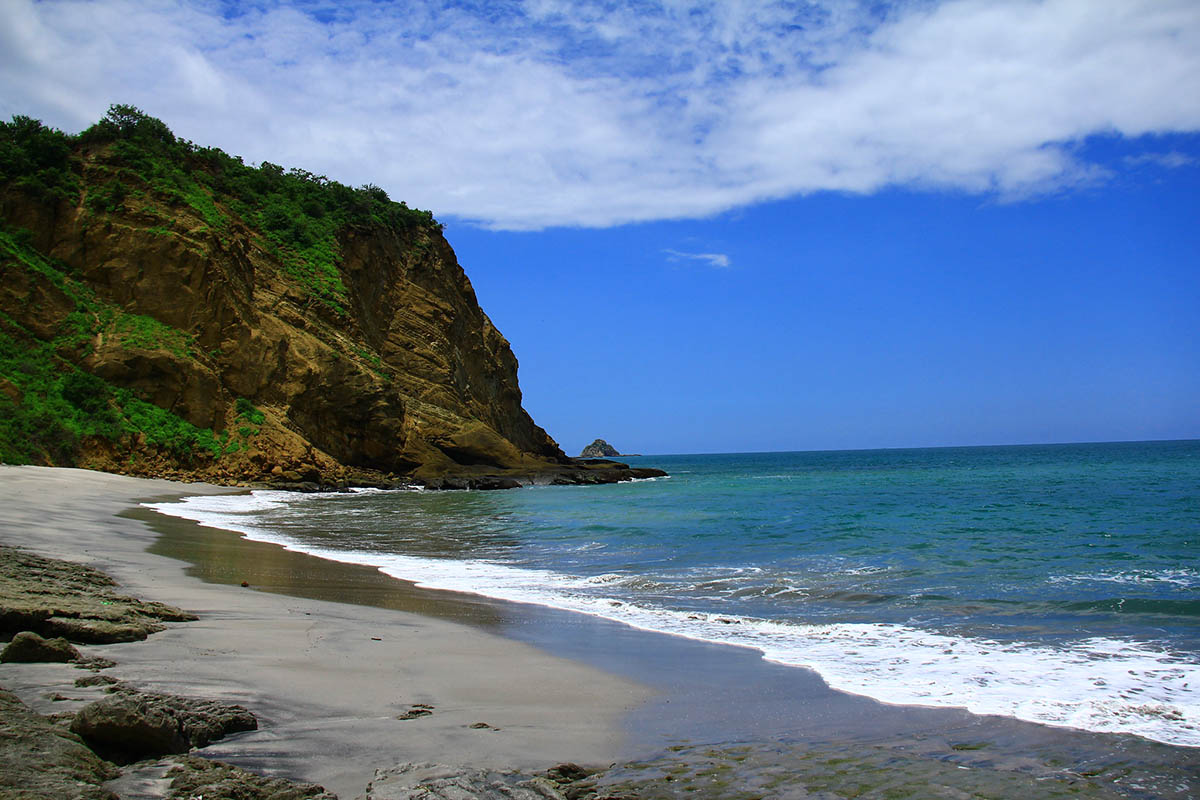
(328, 654)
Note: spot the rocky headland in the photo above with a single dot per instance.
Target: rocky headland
(167, 310)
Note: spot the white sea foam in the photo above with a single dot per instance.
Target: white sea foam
(871, 570)
(1096, 684)
(1186, 578)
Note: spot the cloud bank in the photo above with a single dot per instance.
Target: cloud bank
(522, 115)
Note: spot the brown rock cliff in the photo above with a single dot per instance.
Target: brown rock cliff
(375, 365)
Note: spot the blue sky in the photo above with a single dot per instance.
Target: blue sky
(744, 225)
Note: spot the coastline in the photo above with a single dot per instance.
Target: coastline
(298, 647)
(326, 679)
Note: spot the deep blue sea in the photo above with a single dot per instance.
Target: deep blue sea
(1057, 584)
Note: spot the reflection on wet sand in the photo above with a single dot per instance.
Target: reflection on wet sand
(218, 556)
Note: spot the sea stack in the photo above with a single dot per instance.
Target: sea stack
(599, 449)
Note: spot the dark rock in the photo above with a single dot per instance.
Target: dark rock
(95, 663)
(492, 483)
(426, 781)
(60, 598)
(130, 725)
(29, 647)
(97, 631)
(96, 680)
(647, 472)
(599, 449)
(39, 759)
(196, 777)
(568, 773)
(414, 713)
(480, 483)
(125, 729)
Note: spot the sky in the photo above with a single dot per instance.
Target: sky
(733, 226)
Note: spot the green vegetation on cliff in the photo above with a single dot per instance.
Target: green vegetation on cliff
(166, 309)
(300, 214)
(47, 404)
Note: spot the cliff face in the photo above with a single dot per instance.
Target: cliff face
(296, 329)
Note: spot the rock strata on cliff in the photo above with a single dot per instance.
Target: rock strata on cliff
(167, 310)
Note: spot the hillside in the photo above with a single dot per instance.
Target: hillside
(167, 310)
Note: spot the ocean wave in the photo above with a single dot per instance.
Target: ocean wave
(1183, 578)
(1137, 605)
(1096, 684)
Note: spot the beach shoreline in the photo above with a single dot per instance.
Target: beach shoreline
(328, 655)
(326, 679)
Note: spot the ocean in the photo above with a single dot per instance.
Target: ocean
(1056, 584)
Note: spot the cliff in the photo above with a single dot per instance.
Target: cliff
(167, 310)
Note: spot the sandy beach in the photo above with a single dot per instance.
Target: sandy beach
(326, 679)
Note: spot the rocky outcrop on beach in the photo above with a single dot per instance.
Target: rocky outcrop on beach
(167, 310)
(131, 725)
(40, 758)
(44, 597)
(428, 781)
(29, 648)
(128, 742)
(72, 754)
(193, 777)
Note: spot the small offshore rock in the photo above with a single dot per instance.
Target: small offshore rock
(28, 647)
(599, 449)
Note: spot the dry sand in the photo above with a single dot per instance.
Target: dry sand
(326, 679)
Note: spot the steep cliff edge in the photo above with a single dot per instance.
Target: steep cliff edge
(167, 310)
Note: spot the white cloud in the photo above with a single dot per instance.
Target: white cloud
(714, 259)
(584, 113)
(1170, 160)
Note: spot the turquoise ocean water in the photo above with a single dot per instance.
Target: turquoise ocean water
(1057, 584)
